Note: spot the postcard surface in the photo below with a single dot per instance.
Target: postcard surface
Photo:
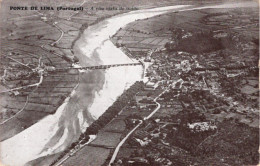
(129, 82)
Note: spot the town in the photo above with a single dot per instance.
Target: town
(211, 100)
(197, 102)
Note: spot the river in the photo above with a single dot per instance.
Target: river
(97, 90)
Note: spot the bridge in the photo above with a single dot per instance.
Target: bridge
(99, 67)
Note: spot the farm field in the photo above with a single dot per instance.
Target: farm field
(27, 36)
(116, 126)
(34, 44)
(88, 156)
(106, 139)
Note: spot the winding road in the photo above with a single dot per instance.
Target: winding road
(27, 86)
(136, 127)
(62, 33)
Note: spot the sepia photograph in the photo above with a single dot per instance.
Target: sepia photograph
(129, 82)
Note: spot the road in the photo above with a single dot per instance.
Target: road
(27, 86)
(62, 33)
(17, 112)
(167, 75)
(158, 104)
(92, 138)
(77, 11)
(139, 124)
(54, 53)
(27, 99)
(19, 62)
(122, 142)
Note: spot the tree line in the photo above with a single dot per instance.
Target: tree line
(105, 118)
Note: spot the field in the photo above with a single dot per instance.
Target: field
(116, 126)
(143, 35)
(107, 139)
(27, 36)
(224, 40)
(88, 156)
(22, 121)
(166, 112)
(232, 141)
(140, 112)
(124, 151)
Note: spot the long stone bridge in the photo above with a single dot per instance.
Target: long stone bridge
(99, 67)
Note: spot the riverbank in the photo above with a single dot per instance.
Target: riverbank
(96, 127)
(68, 126)
(65, 128)
(148, 145)
(109, 45)
(29, 36)
(99, 147)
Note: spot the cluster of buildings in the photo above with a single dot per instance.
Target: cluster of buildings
(196, 82)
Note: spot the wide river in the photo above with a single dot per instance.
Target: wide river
(97, 90)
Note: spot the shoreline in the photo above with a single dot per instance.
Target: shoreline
(69, 61)
(86, 25)
(81, 31)
(95, 94)
(141, 17)
(107, 117)
(79, 35)
(122, 93)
